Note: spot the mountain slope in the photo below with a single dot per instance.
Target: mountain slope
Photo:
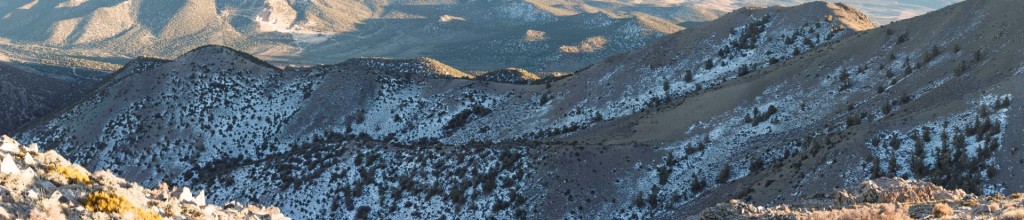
(920, 98)
(223, 120)
(36, 91)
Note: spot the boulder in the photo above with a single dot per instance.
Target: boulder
(8, 145)
(185, 195)
(29, 160)
(32, 147)
(201, 198)
(7, 166)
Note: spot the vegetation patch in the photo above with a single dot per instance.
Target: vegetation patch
(114, 203)
(73, 173)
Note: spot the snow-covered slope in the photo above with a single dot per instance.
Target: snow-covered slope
(35, 91)
(919, 99)
(225, 120)
(882, 11)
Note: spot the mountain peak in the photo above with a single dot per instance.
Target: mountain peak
(423, 66)
(205, 52)
(510, 75)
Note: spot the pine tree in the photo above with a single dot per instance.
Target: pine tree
(725, 174)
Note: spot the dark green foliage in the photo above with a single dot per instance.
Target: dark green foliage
(363, 212)
(876, 168)
(756, 117)
(663, 174)
(757, 165)
(725, 174)
(691, 149)
(853, 120)
(751, 33)
(808, 42)
(1002, 103)
(960, 69)
(902, 38)
(697, 184)
(844, 80)
(360, 116)
(954, 167)
(930, 55)
(464, 117)
(744, 70)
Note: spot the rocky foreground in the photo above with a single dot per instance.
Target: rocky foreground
(882, 199)
(44, 185)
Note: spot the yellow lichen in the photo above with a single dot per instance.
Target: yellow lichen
(114, 203)
(77, 174)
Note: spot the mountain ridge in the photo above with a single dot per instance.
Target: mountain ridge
(207, 114)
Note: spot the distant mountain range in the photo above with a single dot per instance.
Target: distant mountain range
(473, 35)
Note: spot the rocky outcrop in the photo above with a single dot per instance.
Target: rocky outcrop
(50, 187)
(510, 75)
(882, 199)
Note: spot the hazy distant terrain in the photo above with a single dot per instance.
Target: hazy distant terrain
(474, 35)
(881, 11)
(33, 91)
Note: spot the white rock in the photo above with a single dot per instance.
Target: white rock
(29, 160)
(8, 166)
(201, 198)
(209, 210)
(186, 195)
(55, 196)
(8, 144)
(32, 194)
(7, 139)
(32, 147)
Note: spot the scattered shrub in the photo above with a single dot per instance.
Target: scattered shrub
(756, 117)
(697, 184)
(1016, 214)
(970, 203)
(114, 203)
(941, 210)
(1017, 195)
(74, 173)
(902, 38)
(725, 174)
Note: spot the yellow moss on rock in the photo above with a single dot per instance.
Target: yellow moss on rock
(114, 203)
